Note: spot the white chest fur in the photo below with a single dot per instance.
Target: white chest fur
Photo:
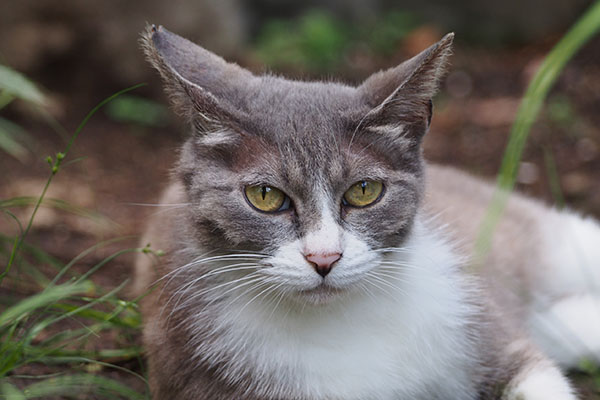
(405, 340)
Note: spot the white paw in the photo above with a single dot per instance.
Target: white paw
(541, 384)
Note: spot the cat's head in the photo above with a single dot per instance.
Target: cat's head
(318, 177)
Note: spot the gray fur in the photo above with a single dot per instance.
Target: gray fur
(305, 138)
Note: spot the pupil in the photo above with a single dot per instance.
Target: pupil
(363, 185)
(264, 190)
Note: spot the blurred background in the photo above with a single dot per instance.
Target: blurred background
(79, 52)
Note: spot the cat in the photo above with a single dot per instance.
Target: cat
(311, 253)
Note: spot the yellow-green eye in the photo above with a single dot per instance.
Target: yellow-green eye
(267, 198)
(363, 193)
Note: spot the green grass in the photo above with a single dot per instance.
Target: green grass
(57, 327)
(533, 100)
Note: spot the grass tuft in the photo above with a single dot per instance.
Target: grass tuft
(57, 328)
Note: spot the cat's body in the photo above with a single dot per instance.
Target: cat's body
(320, 299)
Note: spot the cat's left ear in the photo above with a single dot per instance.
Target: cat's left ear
(402, 95)
(203, 87)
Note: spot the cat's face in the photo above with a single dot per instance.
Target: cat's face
(319, 178)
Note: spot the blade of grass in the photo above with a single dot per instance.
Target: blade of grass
(44, 324)
(10, 392)
(83, 254)
(39, 254)
(59, 204)
(76, 385)
(583, 30)
(42, 299)
(107, 260)
(101, 316)
(70, 356)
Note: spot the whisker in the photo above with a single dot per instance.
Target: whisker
(280, 297)
(258, 284)
(364, 287)
(268, 289)
(158, 204)
(256, 281)
(183, 289)
(208, 290)
(201, 261)
(376, 285)
(388, 284)
(214, 272)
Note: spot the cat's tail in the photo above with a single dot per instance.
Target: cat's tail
(565, 319)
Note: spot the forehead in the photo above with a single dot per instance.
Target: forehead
(300, 135)
(284, 109)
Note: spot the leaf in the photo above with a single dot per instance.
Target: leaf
(8, 143)
(17, 85)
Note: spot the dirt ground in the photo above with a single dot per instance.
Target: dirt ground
(125, 166)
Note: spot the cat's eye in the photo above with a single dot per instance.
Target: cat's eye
(363, 193)
(267, 198)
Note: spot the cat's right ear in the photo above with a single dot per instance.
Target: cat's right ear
(401, 96)
(203, 87)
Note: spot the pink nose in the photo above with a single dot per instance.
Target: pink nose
(322, 263)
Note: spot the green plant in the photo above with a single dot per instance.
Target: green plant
(319, 42)
(582, 31)
(57, 325)
(14, 85)
(314, 42)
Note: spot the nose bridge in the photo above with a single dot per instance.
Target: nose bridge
(325, 237)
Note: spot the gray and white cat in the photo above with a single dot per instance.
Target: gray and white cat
(312, 254)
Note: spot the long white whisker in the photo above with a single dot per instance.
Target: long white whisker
(364, 287)
(213, 288)
(377, 284)
(255, 281)
(200, 261)
(388, 284)
(214, 272)
(255, 297)
(279, 297)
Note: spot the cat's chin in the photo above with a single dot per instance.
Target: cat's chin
(319, 295)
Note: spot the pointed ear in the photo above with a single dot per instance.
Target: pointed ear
(401, 96)
(203, 87)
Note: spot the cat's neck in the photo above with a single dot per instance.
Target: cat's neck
(424, 299)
